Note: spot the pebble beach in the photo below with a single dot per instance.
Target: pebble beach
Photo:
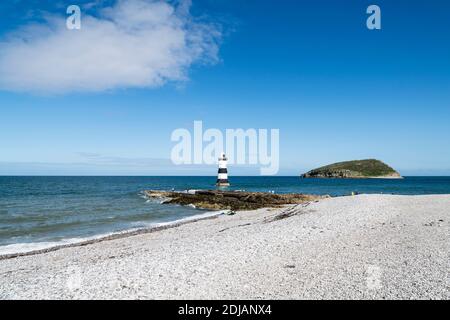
(355, 247)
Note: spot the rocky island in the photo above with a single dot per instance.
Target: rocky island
(231, 200)
(370, 168)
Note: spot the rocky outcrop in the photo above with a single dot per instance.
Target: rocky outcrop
(342, 173)
(370, 168)
(231, 200)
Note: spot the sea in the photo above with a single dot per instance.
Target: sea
(42, 212)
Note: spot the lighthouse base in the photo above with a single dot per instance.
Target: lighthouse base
(222, 183)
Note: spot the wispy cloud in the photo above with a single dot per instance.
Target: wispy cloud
(132, 44)
(89, 163)
(104, 160)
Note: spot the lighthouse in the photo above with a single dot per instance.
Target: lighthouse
(222, 175)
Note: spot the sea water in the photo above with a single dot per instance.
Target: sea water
(40, 212)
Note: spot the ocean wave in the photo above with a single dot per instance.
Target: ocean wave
(28, 247)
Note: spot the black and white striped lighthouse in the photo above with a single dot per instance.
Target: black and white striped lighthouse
(222, 175)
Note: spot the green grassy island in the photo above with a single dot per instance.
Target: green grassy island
(370, 168)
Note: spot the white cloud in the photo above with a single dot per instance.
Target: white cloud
(135, 43)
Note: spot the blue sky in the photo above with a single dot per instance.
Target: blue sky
(335, 90)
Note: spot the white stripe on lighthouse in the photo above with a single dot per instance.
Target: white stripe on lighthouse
(223, 176)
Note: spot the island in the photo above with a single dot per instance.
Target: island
(356, 169)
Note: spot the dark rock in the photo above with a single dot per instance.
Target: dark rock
(231, 200)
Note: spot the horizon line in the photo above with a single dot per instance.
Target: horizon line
(212, 176)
